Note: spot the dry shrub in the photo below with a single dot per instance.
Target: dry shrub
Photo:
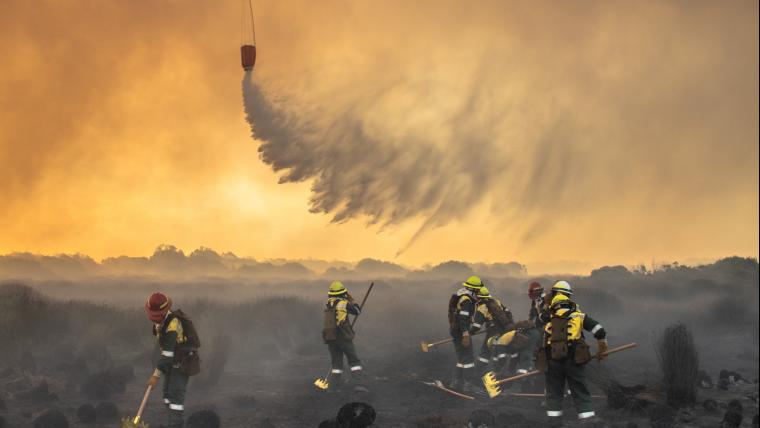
(679, 362)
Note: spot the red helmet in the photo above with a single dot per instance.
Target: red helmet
(157, 306)
(535, 290)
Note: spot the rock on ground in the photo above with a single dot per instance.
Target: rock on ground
(203, 419)
(734, 415)
(356, 415)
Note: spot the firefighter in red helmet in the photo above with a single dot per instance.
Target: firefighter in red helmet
(523, 362)
(178, 359)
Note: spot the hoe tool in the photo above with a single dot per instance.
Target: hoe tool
(426, 345)
(492, 384)
(136, 422)
(324, 383)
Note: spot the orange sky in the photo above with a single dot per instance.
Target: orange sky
(122, 126)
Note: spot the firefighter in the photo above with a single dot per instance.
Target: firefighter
(537, 300)
(564, 352)
(523, 363)
(178, 360)
(338, 334)
(461, 310)
(497, 320)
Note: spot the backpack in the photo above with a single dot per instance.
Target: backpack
(329, 324)
(187, 353)
(453, 301)
(501, 316)
(188, 328)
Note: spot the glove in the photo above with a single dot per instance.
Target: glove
(466, 341)
(601, 348)
(524, 324)
(153, 381)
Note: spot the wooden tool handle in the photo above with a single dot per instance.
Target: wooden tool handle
(143, 403)
(451, 339)
(619, 348)
(441, 342)
(535, 372)
(361, 306)
(518, 377)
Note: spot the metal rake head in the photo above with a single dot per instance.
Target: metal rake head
(491, 384)
(133, 423)
(322, 383)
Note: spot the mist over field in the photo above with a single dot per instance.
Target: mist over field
(260, 322)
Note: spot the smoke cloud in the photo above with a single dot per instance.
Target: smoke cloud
(525, 122)
(622, 131)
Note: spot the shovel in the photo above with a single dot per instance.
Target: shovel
(136, 422)
(427, 345)
(324, 383)
(492, 384)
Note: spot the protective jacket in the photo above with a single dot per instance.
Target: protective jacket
(336, 322)
(492, 314)
(171, 339)
(461, 310)
(563, 330)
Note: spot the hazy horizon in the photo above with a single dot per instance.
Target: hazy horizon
(204, 258)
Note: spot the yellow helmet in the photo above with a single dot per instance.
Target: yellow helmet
(559, 298)
(562, 287)
(483, 293)
(473, 283)
(336, 289)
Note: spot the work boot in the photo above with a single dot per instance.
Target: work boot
(512, 366)
(592, 421)
(457, 380)
(175, 419)
(357, 379)
(336, 383)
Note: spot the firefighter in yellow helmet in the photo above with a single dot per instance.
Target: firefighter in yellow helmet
(338, 334)
(497, 320)
(564, 352)
(461, 310)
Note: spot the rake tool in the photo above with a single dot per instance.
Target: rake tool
(492, 384)
(324, 382)
(426, 345)
(438, 384)
(136, 422)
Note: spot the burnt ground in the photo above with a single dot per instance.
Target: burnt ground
(262, 354)
(279, 393)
